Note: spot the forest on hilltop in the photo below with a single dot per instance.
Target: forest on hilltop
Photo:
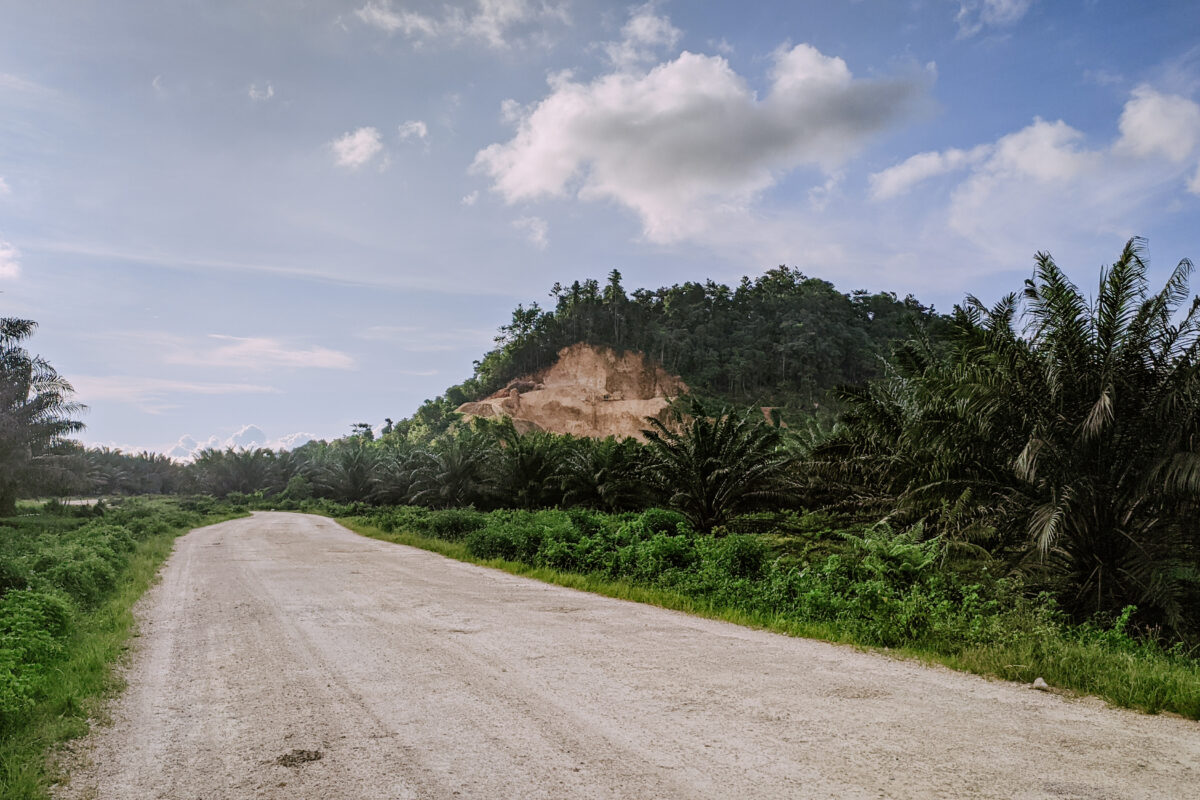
(782, 339)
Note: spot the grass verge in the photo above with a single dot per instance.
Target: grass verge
(84, 676)
(1112, 668)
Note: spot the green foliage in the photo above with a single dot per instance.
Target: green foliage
(35, 415)
(33, 626)
(1068, 447)
(710, 467)
(604, 474)
(782, 339)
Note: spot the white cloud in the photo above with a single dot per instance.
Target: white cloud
(354, 149)
(187, 447)
(471, 198)
(154, 395)
(899, 179)
(974, 15)
(690, 139)
(413, 128)
(1154, 124)
(10, 267)
(245, 438)
(259, 352)
(159, 86)
(536, 230)
(4, 187)
(1045, 184)
(248, 436)
(381, 15)
(491, 21)
(641, 38)
(265, 93)
(291, 441)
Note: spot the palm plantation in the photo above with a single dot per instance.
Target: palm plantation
(1058, 432)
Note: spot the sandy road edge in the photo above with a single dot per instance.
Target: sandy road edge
(64, 756)
(673, 601)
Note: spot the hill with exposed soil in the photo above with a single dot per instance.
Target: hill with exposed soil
(588, 391)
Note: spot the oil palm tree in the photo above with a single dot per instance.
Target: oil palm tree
(1070, 443)
(35, 412)
(603, 474)
(456, 472)
(712, 466)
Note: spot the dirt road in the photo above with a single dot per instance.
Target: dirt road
(276, 639)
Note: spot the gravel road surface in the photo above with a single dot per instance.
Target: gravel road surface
(282, 656)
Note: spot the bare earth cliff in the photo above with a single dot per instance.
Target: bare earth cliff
(589, 391)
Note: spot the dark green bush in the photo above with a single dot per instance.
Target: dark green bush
(662, 520)
(737, 555)
(454, 525)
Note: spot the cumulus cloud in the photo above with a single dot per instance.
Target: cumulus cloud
(413, 129)
(471, 198)
(642, 37)
(1045, 183)
(690, 137)
(975, 15)
(1155, 124)
(258, 352)
(10, 267)
(248, 436)
(261, 94)
(356, 148)
(536, 230)
(494, 22)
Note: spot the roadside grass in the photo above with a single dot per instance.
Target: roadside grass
(80, 676)
(991, 631)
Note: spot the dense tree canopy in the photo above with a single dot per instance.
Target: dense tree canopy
(782, 339)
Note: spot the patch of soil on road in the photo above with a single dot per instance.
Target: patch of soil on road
(298, 757)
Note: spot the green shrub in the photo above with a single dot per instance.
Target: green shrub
(662, 520)
(32, 627)
(737, 555)
(454, 525)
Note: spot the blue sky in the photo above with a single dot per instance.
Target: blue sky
(254, 222)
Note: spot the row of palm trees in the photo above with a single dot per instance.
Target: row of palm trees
(708, 464)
